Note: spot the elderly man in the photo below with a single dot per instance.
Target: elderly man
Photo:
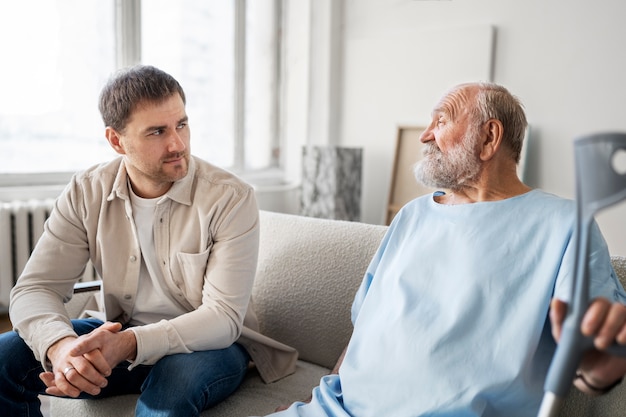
(453, 315)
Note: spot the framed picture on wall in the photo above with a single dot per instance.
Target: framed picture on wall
(521, 167)
(404, 186)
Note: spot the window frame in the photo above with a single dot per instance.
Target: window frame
(127, 34)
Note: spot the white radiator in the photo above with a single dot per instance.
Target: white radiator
(21, 225)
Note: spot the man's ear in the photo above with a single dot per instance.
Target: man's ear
(492, 130)
(114, 139)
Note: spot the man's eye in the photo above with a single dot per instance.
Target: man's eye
(157, 132)
(182, 125)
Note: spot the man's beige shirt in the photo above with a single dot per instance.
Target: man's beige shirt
(206, 239)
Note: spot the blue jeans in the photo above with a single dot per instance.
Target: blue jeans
(177, 385)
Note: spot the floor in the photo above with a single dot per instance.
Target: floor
(5, 326)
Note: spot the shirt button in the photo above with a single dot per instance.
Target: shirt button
(133, 258)
(128, 297)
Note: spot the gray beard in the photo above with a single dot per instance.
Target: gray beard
(453, 170)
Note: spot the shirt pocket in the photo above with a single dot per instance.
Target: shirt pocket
(193, 268)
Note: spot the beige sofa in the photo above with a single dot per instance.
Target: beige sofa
(308, 272)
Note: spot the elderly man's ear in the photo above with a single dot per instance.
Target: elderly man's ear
(492, 131)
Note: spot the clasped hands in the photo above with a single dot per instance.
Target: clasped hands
(82, 364)
(606, 323)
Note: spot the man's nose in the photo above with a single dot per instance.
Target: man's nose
(177, 143)
(427, 135)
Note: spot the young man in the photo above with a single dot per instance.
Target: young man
(453, 316)
(175, 241)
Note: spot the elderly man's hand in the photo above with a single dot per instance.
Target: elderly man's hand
(605, 322)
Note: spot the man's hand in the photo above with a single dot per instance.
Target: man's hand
(606, 323)
(72, 374)
(107, 340)
(82, 364)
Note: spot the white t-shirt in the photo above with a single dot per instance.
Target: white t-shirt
(153, 302)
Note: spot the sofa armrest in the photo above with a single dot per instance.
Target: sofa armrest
(87, 286)
(86, 298)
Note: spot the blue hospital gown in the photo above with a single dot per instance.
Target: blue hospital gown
(451, 316)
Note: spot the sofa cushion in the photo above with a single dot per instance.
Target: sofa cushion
(253, 398)
(308, 273)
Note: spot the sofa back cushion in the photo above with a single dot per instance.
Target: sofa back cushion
(619, 264)
(308, 273)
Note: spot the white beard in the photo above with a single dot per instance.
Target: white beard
(451, 170)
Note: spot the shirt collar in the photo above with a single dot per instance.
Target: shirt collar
(179, 192)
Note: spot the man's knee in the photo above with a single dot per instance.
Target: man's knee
(12, 348)
(84, 326)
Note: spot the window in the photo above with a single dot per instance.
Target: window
(224, 54)
(58, 57)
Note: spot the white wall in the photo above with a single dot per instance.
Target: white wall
(565, 59)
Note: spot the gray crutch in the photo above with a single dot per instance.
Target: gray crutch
(598, 186)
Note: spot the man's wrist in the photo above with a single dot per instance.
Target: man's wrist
(132, 344)
(589, 387)
(52, 349)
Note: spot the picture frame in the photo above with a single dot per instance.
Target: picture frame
(522, 170)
